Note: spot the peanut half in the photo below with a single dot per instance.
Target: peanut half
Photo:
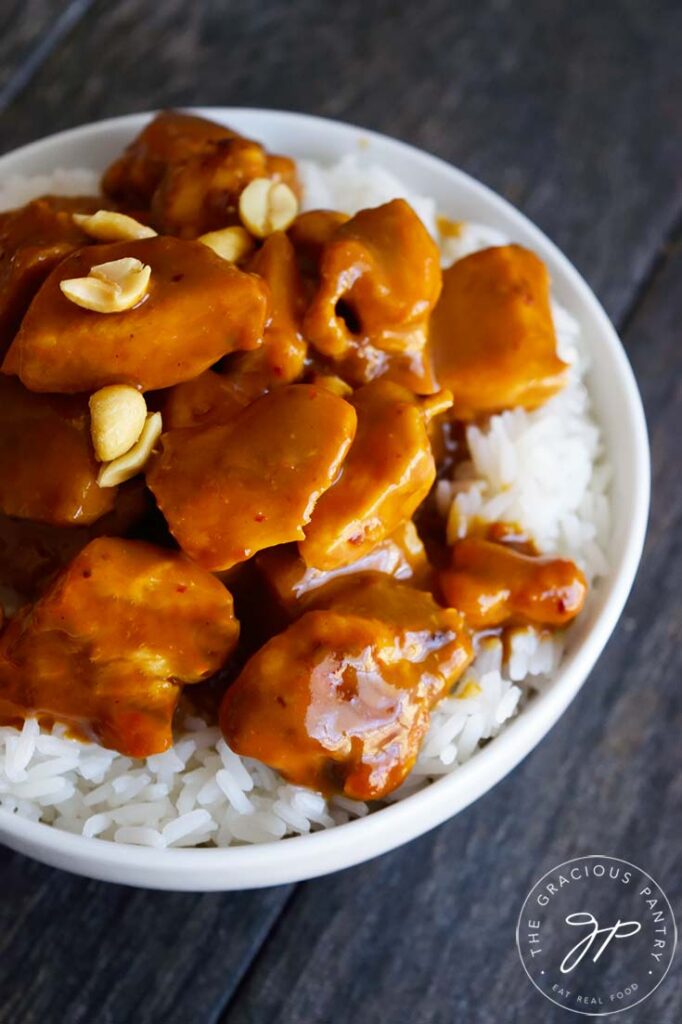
(117, 416)
(134, 461)
(109, 287)
(230, 244)
(266, 206)
(109, 226)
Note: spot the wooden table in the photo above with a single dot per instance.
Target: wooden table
(573, 111)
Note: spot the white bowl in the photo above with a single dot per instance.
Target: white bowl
(619, 410)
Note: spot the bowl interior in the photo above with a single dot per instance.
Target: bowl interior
(618, 408)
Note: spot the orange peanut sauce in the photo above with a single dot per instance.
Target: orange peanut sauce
(198, 308)
(108, 645)
(48, 471)
(33, 240)
(340, 700)
(388, 473)
(492, 337)
(282, 555)
(189, 172)
(231, 490)
(493, 585)
(380, 278)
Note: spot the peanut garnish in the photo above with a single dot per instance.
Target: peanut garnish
(134, 461)
(109, 287)
(230, 244)
(266, 206)
(109, 226)
(117, 417)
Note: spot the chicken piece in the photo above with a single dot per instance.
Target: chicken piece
(48, 469)
(492, 335)
(201, 193)
(340, 700)
(32, 552)
(290, 583)
(229, 491)
(380, 278)
(212, 397)
(309, 234)
(198, 309)
(108, 646)
(191, 172)
(204, 401)
(494, 585)
(388, 473)
(167, 139)
(33, 240)
(281, 357)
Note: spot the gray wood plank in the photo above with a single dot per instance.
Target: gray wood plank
(571, 110)
(74, 951)
(26, 27)
(426, 935)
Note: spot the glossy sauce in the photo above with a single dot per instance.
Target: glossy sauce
(33, 240)
(492, 336)
(388, 473)
(340, 700)
(380, 278)
(306, 398)
(48, 470)
(109, 644)
(493, 585)
(190, 172)
(198, 309)
(291, 583)
(230, 491)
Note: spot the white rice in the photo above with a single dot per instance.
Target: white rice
(16, 190)
(545, 470)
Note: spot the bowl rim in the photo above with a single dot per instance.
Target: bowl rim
(316, 853)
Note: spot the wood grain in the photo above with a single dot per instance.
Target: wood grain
(571, 110)
(568, 109)
(29, 31)
(78, 952)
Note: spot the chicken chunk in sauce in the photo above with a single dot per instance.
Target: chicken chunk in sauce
(492, 336)
(169, 138)
(111, 642)
(32, 552)
(380, 278)
(291, 584)
(204, 401)
(201, 193)
(231, 490)
(493, 585)
(309, 234)
(340, 701)
(191, 172)
(312, 384)
(198, 308)
(33, 240)
(388, 473)
(281, 357)
(217, 397)
(48, 470)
